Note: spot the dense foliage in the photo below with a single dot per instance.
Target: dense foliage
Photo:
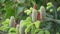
(30, 16)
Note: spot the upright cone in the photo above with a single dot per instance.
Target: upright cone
(34, 13)
(42, 13)
(12, 21)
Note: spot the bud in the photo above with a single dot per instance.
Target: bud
(17, 28)
(42, 13)
(21, 28)
(15, 24)
(38, 16)
(34, 14)
(12, 21)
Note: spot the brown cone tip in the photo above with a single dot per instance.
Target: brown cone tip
(34, 6)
